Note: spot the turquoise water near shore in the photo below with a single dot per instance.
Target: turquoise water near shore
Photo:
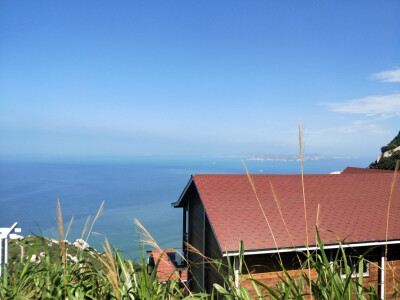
(142, 188)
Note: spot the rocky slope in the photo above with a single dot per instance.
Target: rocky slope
(389, 154)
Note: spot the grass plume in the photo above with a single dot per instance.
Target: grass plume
(109, 263)
(193, 249)
(95, 219)
(144, 236)
(304, 196)
(262, 209)
(69, 226)
(278, 205)
(62, 245)
(85, 228)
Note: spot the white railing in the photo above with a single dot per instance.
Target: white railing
(5, 234)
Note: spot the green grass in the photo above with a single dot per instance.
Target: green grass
(108, 276)
(94, 276)
(18, 250)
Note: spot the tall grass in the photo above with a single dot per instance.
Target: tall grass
(304, 196)
(62, 245)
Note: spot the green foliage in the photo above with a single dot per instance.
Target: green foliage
(334, 279)
(388, 163)
(230, 290)
(393, 144)
(88, 278)
(18, 250)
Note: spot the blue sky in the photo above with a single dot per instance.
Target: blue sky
(122, 78)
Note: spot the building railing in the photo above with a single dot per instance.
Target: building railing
(5, 234)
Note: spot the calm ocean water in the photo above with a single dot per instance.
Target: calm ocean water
(141, 188)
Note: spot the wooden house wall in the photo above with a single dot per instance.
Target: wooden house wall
(212, 252)
(196, 239)
(202, 272)
(392, 285)
(266, 269)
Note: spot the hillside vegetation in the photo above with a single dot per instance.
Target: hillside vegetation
(389, 154)
(107, 275)
(38, 249)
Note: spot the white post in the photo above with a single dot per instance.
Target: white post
(237, 271)
(331, 258)
(6, 252)
(1, 255)
(229, 269)
(383, 270)
(4, 236)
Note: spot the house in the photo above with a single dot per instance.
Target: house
(219, 211)
(171, 264)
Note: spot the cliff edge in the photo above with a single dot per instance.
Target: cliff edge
(389, 154)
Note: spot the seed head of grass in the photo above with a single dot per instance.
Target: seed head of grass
(94, 220)
(144, 236)
(62, 244)
(109, 263)
(261, 208)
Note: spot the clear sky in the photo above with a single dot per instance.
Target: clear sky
(121, 78)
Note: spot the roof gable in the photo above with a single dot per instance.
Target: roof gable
(352, 206)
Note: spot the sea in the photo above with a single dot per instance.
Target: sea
(141, 188)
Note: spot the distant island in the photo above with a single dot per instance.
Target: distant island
(290, 157)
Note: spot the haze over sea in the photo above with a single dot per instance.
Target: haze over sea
(142, 187)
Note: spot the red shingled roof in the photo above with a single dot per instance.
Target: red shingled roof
(165, 267)
(353, 206)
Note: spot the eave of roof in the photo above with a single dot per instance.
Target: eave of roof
(311, 248)
(179, 201)
(179, 204)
